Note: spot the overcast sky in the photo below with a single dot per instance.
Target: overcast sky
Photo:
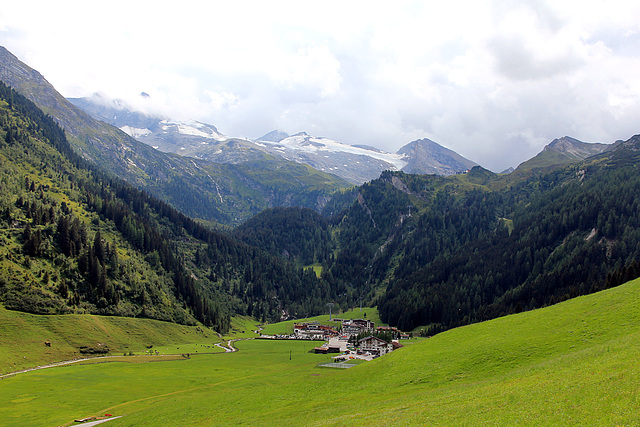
(493, 80)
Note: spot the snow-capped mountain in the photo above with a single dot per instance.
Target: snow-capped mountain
(174, 136)
(361, 163)
(163, 134)
(355, 163)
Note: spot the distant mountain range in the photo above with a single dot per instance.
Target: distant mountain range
(227, 180)
(355, 163)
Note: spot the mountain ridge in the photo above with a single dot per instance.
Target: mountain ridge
(356, 163)
(563, 151)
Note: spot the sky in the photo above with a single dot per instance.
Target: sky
(494, 80)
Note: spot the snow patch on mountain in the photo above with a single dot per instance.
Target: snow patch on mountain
(192, 128)
(302, 142)
(135, 132)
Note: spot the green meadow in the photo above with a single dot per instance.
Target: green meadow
(24, 337)
(575, 363)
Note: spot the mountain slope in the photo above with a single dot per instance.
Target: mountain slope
(549, 238)
(562, 151)
(427, 157)
(60, 254)
(77, 240)
(222, 193)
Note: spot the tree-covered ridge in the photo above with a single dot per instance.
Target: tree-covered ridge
(544, 240)
(78, 240)
(294, 233)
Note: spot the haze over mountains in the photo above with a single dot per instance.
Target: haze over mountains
(355, 163)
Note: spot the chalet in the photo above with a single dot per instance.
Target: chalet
(374, 346)
(320, 350)
(396, 345)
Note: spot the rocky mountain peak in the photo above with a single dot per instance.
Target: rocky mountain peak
(274, 136)
(428, 157)
(574, 148)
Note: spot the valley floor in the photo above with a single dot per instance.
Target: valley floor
(574, 363)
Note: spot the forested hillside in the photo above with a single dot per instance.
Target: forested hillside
(441, 252)
(298, 234)
(75, 239)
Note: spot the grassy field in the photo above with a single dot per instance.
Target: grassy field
(575, 363)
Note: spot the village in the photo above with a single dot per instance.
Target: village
(352, 339)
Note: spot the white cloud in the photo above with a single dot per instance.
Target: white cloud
(494, 80)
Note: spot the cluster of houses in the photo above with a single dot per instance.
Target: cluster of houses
(343, 339)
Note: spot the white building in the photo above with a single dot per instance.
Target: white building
(374, 345)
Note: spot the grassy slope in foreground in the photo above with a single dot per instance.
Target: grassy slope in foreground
(572, 363)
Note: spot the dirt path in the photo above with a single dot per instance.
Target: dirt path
(229, 348)
(51, 365)
(69, 362)
(95, 423)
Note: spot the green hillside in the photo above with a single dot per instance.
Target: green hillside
(572, 363)
(30, 340)
(75, 239)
